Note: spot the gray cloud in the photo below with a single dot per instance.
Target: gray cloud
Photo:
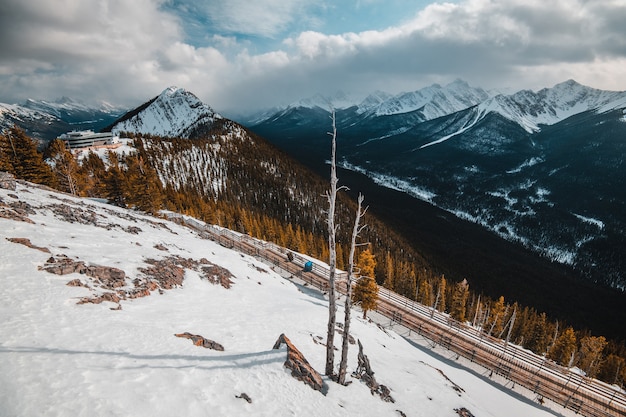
(127, 52)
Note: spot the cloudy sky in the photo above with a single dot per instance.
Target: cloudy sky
(238, 55)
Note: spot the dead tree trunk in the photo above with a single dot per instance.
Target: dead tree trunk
(343, 364)
(332, 249)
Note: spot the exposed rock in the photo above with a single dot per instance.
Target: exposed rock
(26, 242)
(244, 396)
(7, 181)
(201, 341)
(365, 373)
(110, 277)
(16, 210)
(75, 283)
(72, 214)
(107, 296)
(133, 230)
(300, 367)
(160, 247)
(165, 272)
(218, 275)
(463, 412)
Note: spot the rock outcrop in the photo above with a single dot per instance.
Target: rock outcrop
(201, 341)
(7, 181)
(300, 367)
(365, 373)
(26, 242)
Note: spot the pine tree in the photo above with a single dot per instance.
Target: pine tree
(591, 354)
(564, 347)
(69, 177)
(440, 300)
(496, 317)
(425, 293)
(459, 301)
(22, 159)
(390, 273)
(613, 370)
(366, 289)
(94, 173)
(538, 340)
(367, 264)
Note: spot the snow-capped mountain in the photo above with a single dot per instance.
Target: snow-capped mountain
(68, 109)
(551, 105)
(175, 112)
(540, 168)
(434, 101)
(45, 120)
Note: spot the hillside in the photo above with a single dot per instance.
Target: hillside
(73, 349)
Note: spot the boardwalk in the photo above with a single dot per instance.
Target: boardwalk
(584, 396)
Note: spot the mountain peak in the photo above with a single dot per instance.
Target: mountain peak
(175, 112)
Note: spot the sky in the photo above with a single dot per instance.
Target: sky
(240, 56)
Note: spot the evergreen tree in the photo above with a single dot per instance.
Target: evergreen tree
(440, 299)
(564, 347)
(496, 317)
(613, 370)
(459, 301)
(366, 289)
(425, 293)
(69, 177)
(390, 273)
(591, 354)
(538, 340)
(93, 170)
(20, 156)
(366, 264)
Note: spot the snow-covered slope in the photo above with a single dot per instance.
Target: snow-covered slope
(46, 120)
(60, 358)
(176, 112)
(551, 105)
(14, 113)
(67, 108)
(434, 101)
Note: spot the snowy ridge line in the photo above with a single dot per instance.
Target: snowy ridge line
(545, 379)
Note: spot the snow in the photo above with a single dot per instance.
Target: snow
(434, 101)
(59, 358)
(171, 114)
(590, 220)
(551, 105)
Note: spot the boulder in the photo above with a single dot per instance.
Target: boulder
(201, 341)
(7, 181)
(300, 367)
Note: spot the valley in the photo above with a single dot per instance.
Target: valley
(492, 265)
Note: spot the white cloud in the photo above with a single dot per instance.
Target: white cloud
(126, 52)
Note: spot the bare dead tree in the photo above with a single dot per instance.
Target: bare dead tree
(343, 364)
(332, 249)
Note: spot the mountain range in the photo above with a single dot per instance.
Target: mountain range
(227, 164)
(45, 120)
(544, 169)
